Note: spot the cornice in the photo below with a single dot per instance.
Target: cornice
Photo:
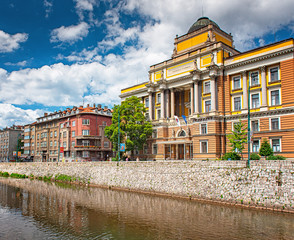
(260, 58)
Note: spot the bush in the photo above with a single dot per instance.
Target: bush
(4, 174)
(276, 157)
(254, 156)
(232, 156)
(265, 149)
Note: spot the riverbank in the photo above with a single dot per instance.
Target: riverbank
(266, 185)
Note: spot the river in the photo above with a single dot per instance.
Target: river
(32, 209)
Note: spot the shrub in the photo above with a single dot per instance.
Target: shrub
(232, 156)
(276, 157)
(254, 156)
(4, 174)
(265, 149)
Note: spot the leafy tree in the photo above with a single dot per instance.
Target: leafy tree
(134, 128)
(238, 137)
(20, 145)
(265, 149)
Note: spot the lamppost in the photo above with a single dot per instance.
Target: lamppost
(248, 137)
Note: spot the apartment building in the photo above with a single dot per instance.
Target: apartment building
(75, 134)
(8, 143)
(194, 98)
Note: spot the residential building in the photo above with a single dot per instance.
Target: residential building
(75, 134)
(9, 143)
(208, 84)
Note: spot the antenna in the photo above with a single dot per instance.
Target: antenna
(202, 9)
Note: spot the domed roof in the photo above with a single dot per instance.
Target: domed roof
(200, 23)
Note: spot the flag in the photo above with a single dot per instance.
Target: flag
(185, 119)
(178, 120)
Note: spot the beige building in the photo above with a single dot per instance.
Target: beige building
(209, 85)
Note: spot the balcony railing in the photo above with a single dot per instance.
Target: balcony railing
(88, 137)
(88, 148)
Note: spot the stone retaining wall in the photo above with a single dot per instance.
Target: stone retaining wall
(267, 184)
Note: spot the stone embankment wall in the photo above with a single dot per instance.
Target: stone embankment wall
(266, 184)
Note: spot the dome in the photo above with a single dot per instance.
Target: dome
(200, 23)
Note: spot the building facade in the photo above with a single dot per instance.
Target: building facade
(9, 143)
(207, 85)
(75, 134)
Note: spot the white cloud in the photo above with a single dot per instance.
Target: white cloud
(14, 115)
(48, 4)
(85, 6)
(70, 34)
(21, 64)
(9, 43)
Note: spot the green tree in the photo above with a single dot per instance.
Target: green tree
(238, 138)
(19, 146)
(134, 128)
(265, 149)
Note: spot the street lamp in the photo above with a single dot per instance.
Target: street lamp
(118, 140)
(248, 137)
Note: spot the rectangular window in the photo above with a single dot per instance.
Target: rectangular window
(255, 100)
(154, 133)
(106, 144)
(204, 147)
(237, 103)
(237, 82)
(51, 134)
(276, 145)
(207, 87)
(55, 134)
(255, 146)
(55, 143)
(204, 128)
(64, 144)
(85, 153)
(158, 113)
(147, 102)
(254, 126)
(73, 123)
(86, 121)
(86, 132)
(154, 149)
(86, 143)
(73, 143)
(61, 125)
(254, 78)
(275, 97)
(73, 133)
(207, 106)
(274, 74)
(64, 134)
(158, 97)
(38, 136)
(275, 125)
(51, 143)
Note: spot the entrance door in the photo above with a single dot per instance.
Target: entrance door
(181, 151)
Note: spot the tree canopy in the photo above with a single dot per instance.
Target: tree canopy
(238, 138)
(134, 128)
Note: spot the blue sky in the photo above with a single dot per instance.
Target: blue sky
(60, 53)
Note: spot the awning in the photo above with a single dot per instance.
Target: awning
(175, 142)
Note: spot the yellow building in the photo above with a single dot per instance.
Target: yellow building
(207, 82)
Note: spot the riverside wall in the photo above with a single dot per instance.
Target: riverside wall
(266, 184)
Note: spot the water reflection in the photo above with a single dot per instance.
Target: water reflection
(45, 210)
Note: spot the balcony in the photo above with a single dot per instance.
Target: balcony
(87, 148)
(88, 137)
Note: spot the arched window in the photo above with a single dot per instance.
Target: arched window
(182, 133)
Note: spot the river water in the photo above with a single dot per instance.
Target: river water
(39, 210)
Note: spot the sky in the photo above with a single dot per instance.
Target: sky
(56, 54)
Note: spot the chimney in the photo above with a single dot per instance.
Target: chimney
(45, 114)
(94, 105)
(81, 106)
(105, 107)
(99, 105)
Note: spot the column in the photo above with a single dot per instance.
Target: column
(150, 106)
(213, 93)
(263, 87)
(196, 97)
(245, 90)
(162, 103)
(167, 104)
(172, 95)
(192, 98)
